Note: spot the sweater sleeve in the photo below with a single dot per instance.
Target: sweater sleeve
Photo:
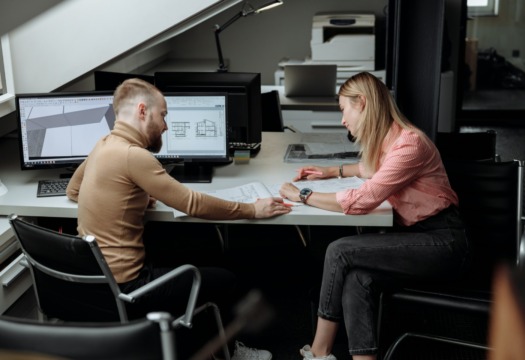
(400, 167)
(149, 174)
(73, 187)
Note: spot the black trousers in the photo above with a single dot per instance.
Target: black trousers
(217, 285)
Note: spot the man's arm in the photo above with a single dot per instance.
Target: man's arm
(74, 184)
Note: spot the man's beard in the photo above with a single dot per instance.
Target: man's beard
(156, 145)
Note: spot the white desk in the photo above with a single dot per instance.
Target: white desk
(267, 167)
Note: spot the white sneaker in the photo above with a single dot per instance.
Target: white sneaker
(306, 352)
(243, 352)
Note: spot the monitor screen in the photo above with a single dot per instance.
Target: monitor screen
(197, 134)
(109, 80)
(61, 129)
(244, 97)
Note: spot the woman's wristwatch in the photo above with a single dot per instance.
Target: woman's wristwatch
(304, 194)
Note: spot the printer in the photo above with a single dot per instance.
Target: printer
(344, 39)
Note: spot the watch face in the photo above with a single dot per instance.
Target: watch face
(305, 192)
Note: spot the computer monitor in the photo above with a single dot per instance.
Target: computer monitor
(109, 80)
(197, 135)
(244, 97)
(60, 129)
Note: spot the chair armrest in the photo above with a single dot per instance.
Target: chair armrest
(192, 299)
(397, 342)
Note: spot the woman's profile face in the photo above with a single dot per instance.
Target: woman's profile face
(351, 113)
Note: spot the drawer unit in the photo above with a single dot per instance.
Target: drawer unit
(15, 279)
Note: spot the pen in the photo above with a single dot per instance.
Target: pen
(313, 172)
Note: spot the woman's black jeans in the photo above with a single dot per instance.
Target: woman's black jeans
(356, 266)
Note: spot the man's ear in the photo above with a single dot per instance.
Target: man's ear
(142, 110)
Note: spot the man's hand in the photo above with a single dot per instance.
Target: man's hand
(152, 202)
(268, 207)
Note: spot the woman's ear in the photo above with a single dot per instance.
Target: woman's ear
(362, 102)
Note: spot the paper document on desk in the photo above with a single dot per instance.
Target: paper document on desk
(247, 193)
(250, 192)
(326, 186)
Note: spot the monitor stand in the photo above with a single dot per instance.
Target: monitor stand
(69, 173)
(192, 173)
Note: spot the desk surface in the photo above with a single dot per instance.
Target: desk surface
(267, 167)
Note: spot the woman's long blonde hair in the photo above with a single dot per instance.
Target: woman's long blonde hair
(379, 111)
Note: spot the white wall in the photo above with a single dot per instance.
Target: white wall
(494, 31)
(16, 12)
(78, 36)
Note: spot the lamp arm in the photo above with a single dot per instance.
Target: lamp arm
(218, 30)
(222, 67)
(229, 22)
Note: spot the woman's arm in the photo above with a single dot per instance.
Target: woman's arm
(320, 200)
(313, 172)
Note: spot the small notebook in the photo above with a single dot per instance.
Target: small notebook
(310, 80)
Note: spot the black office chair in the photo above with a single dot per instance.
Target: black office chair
(151, 337)
(272, 117)
(456, 314)
(479, 145)
(73, 282)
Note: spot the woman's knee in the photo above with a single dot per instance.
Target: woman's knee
(335, 247)
(339, 249)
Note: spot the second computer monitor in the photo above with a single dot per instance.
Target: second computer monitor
(244, 97)
(109, 80)
(197, 134)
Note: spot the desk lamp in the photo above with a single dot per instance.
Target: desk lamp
(247, 9)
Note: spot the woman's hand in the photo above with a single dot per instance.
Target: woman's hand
(268, 207)
(289, 191)
(312, 173)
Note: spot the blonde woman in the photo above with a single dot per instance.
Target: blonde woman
(400, 164)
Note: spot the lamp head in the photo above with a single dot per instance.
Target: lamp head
(269, 5)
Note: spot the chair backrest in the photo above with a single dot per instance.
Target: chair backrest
(147, 338)
(272, 118)
(71, 279)
(467, 146)
(490, 202)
